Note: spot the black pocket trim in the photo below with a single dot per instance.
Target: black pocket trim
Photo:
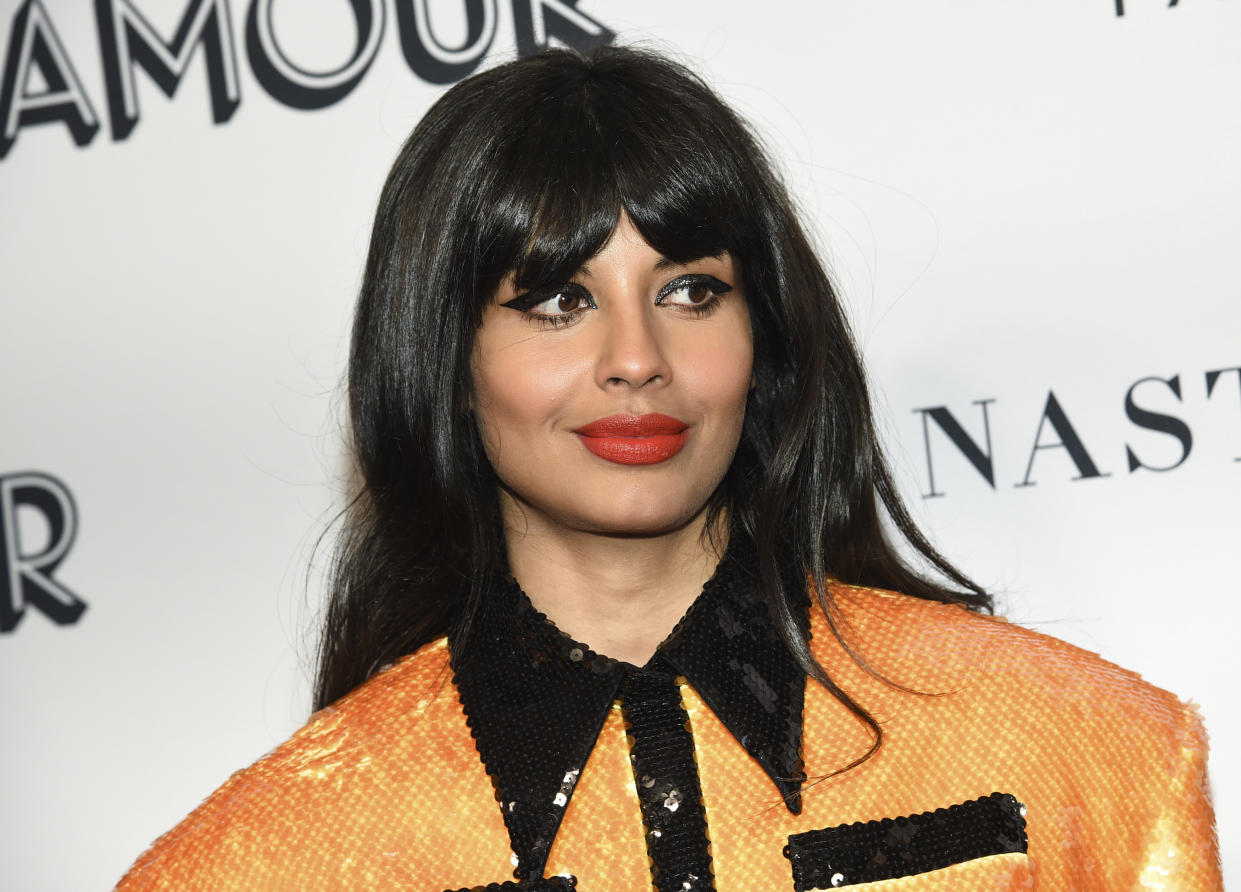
(898, 847)
(547, 884)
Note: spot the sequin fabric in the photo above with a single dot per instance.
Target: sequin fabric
(535, 701)
(550, 884)
(667, 782)
(728, 648)
(852, 854)
(386, 789)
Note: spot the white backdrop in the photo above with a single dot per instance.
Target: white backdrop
(1018, 199)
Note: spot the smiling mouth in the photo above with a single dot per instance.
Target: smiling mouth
(634, 439)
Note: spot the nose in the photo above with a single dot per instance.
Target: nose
(633, 352)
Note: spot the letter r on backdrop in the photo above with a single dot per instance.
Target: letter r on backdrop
(26, 578)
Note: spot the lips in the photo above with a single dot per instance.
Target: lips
(634, 439)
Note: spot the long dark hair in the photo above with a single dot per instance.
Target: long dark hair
(526, 168)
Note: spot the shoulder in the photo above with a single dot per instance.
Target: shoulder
(928, 645)
(334, 780)
(971, 704)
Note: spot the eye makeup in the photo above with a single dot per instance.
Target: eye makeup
(536, 296)
(564, 304)
(701, 290)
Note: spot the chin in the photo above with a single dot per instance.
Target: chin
(611, 507)
(641, 514)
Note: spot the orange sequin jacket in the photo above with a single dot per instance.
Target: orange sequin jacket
(1010, 760)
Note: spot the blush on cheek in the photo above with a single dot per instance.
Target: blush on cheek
(529, 390)
(722, 376)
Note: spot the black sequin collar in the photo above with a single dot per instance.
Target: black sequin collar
(536, 700)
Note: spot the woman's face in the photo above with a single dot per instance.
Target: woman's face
(614, 403)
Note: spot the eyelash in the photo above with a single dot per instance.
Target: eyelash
(526, 303)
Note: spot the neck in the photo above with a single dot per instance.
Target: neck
(619, 595)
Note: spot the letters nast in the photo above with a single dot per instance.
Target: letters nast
(1053, 430)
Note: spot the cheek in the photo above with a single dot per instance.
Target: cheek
(517, 395)
(721, 373)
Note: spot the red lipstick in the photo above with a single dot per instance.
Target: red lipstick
(634, 439)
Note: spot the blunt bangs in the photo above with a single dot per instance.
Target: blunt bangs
(590, 139)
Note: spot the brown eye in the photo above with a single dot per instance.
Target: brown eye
(560, 306)
(693, 292)
(698, 292)
(567, 302)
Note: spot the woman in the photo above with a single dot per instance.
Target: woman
(605, 402)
